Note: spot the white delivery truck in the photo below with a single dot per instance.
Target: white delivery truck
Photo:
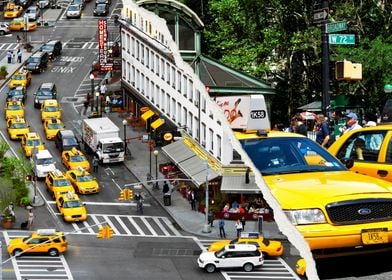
(102, 137)
(42, 163)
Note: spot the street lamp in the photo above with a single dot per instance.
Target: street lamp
(150, 147)
(206, 227)
(96, 106)
(156, 185)
(92, 77)
(388, 88)
(124, 122)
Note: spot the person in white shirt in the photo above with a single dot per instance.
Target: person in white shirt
(352, 122)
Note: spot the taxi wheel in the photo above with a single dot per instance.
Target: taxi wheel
(17, 252)
(248, 267)
(53, 252)
(210, 268)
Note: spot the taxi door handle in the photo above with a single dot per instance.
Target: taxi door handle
(382, 173)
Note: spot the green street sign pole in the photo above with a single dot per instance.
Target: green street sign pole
(341, 39)
(336, 26)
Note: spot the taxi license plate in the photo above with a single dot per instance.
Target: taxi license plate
(374, 236)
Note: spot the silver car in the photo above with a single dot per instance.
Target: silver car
(32, 13)
(74, 11)
(4, 29)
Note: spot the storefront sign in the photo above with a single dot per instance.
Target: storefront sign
(103, 46)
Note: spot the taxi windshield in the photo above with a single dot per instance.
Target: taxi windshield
(51, 109)
(72, 204)
(33, 142)
(18, 125)
(54, 126)
(19, 77)
(85, 178)
(77, 158)
(61, 183)
(14, 107)
(285, 155)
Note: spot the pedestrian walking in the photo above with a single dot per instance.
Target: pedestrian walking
(9, 57)
(13, 56)
(19, 54)
(17, 39)
(243, 223)
(103, 89)
(30, 219)
(222, 232)
(211, 218)
(95, 164)
(238, 227)
(165, 188)
(192, 200)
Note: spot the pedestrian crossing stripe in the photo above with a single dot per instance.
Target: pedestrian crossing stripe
(9, 46)
(124, 225)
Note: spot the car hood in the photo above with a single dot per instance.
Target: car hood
(207, 256)
(15, 241)
(320, 188)
(31, 65)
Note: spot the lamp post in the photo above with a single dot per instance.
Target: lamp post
(92, 77)
(156, 185)
(124, 122)
(150, 149)
(96, 106)
(206, 227)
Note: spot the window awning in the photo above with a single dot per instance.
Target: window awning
(236, 184)
(147, 115)
(157, 123)
(189, 163)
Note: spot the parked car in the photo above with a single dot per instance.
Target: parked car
(44, 92)
(33, 13)
(38, 62)
(338, 212)
(4, 28)
(52, 48)
(101, 10)
(73, 11)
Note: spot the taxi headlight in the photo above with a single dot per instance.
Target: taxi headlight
(36, 100)
(67, 217)
(305, 216)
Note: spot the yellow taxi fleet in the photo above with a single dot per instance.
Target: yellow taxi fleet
(74, 159)
(12, 11)
(14, 109)
(42, 241)
(82, 181)
(51, 127)
(16, 128)
(50, 109)
(57, 183)
(270, 248)
(337, 211)
(71, 207)
(30, 141)
(21, 78)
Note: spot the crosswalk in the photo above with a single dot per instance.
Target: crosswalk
(125, 225)
(66, 45)
(273, 268)
(38, 267)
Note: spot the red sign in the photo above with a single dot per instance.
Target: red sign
(102, 42)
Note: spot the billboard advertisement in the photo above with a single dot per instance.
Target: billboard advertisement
(103, 45)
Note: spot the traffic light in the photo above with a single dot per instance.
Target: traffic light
(122, 195)
(346, 70)
(126, 194)
(105, 232)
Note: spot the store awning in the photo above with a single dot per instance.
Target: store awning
(157, 123)
(147, 115)
(236, 184)
(189, 163)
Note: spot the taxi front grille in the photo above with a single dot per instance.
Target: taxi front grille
(360, 211)
(76, 216)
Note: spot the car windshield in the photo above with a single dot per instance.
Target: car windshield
(70, 142)
(77, 158)
(54, 126)
(100, 7)
(73, 8)
(14, 107)
(51, 109)
(113, 147)
(61, 183)
(27, 238)
(285, 155)
(19, 77)
(44, 92)
(18, 125)
(33, 60)
(43, 161)
(72, 204)
(220, 253)
(85, 178)
(47, 47)
(33, 142)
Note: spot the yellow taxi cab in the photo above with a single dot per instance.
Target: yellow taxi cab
(14, 109)
(338, 212)
(268, 247)
(21, 78)
(51, 127)
(16, 128)
(370, 149)
(31, 141)
(47, 241)
(71, 207)
(17, 24)
(83, 182)
(12, 11)
(74, 159)
(57, 183)
(50, 109)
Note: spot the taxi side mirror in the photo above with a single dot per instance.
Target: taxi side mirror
(348, 162)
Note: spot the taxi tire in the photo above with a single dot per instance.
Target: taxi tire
(53, 252)
(248, 267)
(210, 268)
(17, 252)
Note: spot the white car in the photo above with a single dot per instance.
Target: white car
(33, 13)
(43, 4)
(4, 29)
(73, 11)
(43, 163)
(232, 256)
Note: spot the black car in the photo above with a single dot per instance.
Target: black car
(44, 92)
(23, 3)
(66, 140)
(53, 48)
(101, 10)
(18, 93)
(107, 2)
(38, 62)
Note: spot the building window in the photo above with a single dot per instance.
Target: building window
(173, 77)
(173, 109)
(162, 100)
(152, 88)
(168, 104)
(147, 88)
(137, 50)
(219, 146)
(128, 43)
(156, 95)
(133, 46)
(203, 134)
(142, 53)
(178, 113)
(211, 140)
(162, 69)
(197, 128)
(147, 61)
(142, 81)
(178, 78)
(185, 118)
(167, 73)
(203, 103)
(190, 91)
(133, 75)
(137, 79)
(156, 64)
(185, 85)
(190, 125)
(236, 156)
(151, 60)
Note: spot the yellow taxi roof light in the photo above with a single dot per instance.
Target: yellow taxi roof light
(70, 195)
(58, 173)
(47, 231)
(250, 235)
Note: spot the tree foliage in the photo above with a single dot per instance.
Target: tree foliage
(278, 42)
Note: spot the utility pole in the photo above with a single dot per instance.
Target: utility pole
(325, 61)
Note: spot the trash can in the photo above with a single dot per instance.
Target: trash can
(167, 199)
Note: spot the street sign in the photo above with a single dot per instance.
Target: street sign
(341, 39)
(336, 26)
(320, 15)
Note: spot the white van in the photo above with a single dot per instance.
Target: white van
(231, 256)
(43, 163)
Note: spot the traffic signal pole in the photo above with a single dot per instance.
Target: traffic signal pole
(325, 62)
